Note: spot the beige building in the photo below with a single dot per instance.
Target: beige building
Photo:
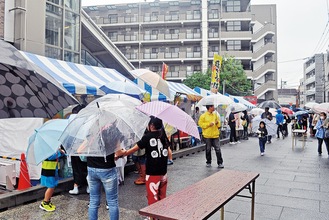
(186, 34)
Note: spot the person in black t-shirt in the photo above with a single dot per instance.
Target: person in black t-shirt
(156, 151)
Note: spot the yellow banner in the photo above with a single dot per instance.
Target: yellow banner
(215, 73)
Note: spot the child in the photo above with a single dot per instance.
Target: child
(49, 179)
(156, 150)
(262, 133)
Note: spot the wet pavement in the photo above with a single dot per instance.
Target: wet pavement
(293, 184)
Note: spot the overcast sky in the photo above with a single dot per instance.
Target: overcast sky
(301, 25)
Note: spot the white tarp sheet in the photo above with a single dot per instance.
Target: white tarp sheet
(14, 138)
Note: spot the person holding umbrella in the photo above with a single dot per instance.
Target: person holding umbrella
(102, 171)
(49, 179)
(210, 124)
(268, 115)
(156, 149)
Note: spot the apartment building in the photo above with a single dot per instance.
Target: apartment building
(314, 79)
(186, 34)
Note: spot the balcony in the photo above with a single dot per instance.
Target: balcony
(310, 92)
(245, 55)
(310, 68)
(266, 31)
(268, 67)
(265, 87)
(309, 80)
(261, 52)
(242, 16)
(236, 35)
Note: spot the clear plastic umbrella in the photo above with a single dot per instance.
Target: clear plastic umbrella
(104, 126)
(270, 125)
(215, 99)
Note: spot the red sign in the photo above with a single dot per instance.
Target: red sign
(251, 99)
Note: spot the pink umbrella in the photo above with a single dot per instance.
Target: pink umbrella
(287, 110)
(172, 115)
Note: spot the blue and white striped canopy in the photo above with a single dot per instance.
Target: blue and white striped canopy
(203, 92)
(240, 99)
(76, 78)
(174, 88)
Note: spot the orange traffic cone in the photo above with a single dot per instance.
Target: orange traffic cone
(24, 177)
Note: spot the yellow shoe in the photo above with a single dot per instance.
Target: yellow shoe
(47, 206)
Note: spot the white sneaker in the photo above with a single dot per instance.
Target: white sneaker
(88, 191)
(232, 143)
(74, 191)
(261, 154)
(238, 142)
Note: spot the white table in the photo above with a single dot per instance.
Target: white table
(295, 135)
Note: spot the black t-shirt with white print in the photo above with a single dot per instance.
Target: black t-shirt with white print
(156, 151)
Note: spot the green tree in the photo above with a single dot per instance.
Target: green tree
(236, 82)
(199, 79)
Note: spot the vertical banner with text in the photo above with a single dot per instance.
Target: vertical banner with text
(215, 73)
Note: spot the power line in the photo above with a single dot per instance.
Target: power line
(322, 39)
(289, 61)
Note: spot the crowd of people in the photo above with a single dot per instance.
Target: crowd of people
(152, 154)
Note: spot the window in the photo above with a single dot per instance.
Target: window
(213, 32)
(196, 68)
(196, 49)
(112, 18)
(113, 36)
(173, 52)
(233, 6)
(173, 16)
(213, 14)
(233, 45)
(233, 26)
(154, 68)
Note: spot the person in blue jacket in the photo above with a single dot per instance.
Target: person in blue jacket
(279, 121)
(320, 133)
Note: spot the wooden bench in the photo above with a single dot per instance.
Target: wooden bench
(204, 198)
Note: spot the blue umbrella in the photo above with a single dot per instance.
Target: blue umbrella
(44, 142)
(301, 113)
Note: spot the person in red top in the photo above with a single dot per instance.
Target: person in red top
(156, 150)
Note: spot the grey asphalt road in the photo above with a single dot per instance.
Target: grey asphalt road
(293, 184)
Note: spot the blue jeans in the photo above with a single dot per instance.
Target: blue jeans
(262, 142)
(108, 178)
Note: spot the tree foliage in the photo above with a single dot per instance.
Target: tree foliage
(232, 72)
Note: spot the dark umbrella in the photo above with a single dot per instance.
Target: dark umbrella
(26, 90)
(270, 104)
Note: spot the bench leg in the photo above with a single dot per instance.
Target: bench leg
(253, 201)
(222, 213)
